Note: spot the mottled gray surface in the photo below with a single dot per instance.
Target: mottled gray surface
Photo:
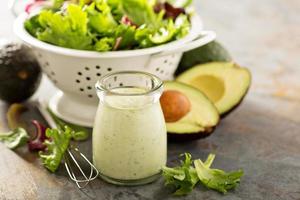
(262, 136)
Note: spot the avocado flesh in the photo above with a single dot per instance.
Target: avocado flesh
(202, 116)
(223, 83)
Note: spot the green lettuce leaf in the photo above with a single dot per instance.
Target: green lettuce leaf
(15, 138)
(139, 12)
(216, 179)
(33, 26)
(186, 176)
(164, 34)
(104, 44)
(100, 17)
(182, 26)
(78, 133)
(106, 25)
(183, 178)
(142, 36)
(68, 30)
(56, 146)
(127, 35)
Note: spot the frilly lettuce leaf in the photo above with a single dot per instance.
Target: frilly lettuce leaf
(139, 12)
(56, 146)
(104, 44)
(183, 178)
(186, 176)
(107, 25)
(14, 138)
(217, 179)
(100, 17)
(68, 30)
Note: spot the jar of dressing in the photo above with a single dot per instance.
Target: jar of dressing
(129, 135)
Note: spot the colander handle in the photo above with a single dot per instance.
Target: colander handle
(203, 38)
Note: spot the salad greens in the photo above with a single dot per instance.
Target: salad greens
(216, 179)
(57, 143)
(109, 25)
(185, 177)
(56, 146)
(78, 133)
(15, 138)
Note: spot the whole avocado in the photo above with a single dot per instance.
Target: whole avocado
(211, 52)
(20, 72)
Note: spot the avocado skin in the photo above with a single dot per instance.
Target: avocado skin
(20, 73)
(210, 52)
(175, 137)
(225, 114)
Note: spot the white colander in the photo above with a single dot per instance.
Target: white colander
(75, 72)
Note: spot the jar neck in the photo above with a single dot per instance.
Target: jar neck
(129, 86)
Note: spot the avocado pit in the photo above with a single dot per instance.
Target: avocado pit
(175, 105)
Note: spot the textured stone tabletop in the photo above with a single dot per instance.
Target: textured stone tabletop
(262, 135)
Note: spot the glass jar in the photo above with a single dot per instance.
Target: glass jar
(129, 135)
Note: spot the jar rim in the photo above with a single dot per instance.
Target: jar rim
(101, 86)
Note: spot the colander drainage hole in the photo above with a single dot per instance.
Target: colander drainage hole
(98, 74)
(52, 73)
(79, 73)
(165, 61)
(120, 84)
(89, 87)
(88, 78)
(109, 69)
(81, 89)
(90, 96)
(157, 69)
(87, 68)
(77, 81)
(97, 67)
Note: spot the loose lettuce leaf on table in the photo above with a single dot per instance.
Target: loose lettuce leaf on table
(15, 138)
(56, 146)
(183, 178)
(217, 179)
(78, 133)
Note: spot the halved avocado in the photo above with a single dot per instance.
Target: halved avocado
(200, 119)
(224, 83)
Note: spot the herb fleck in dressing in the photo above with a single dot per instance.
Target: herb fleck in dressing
(129, 136)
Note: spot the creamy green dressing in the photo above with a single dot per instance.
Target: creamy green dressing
(129, 136)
